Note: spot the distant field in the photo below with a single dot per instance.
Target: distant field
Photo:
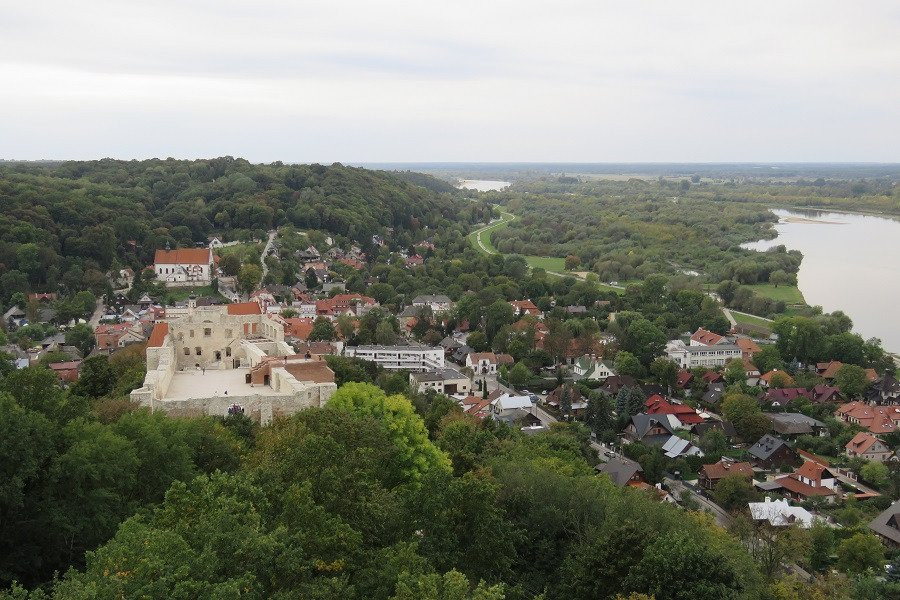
(547, 263)
(788, 293)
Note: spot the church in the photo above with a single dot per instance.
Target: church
(184, 266)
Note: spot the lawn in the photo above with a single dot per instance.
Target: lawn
(247, 252)
(481, 238)
(751, 321)
(790, 294)
(548, 263)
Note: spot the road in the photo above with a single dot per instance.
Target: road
(98, 314)
(265, 252)
(505, 218)
(546, 418)
(719, 514)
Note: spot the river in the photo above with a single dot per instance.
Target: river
(483, 185)
(851, 262)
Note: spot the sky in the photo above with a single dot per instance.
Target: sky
(494, 80)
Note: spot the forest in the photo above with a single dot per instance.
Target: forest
(65, 225)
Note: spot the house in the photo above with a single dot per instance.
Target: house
(780, 513)
(683, 379)
(826, 394)
(828, 370)
(810, 480)
(476, 406)
(766, 379)
(416, 359)
(887, 525)
(710, 475)
(484, 363)
(796, 424)
(577, 403)
(437, 303)
(415, 260)
(66, 371)
(298, 328)
(714, 393)
(781, 397)
(750, 371)
(867, 446)
(658, 405)
(651, 429)
(748, 347)
(876, 419)
(526, 308)
(772, 452)
(184, 266)
(703, 337)
(592, 368)
(688, 357)
(725, 427)
(614, 383)
(676, 446)
(712, 377)
(344, 304)
(884, 391)
(461, 353)
(511, 408)
(443, 381)
(14, 316)
(110, 336)
(622, 471)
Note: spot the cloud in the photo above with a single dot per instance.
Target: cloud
(469, 81)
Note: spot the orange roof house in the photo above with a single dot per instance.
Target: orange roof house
(702, 337)
(876, 419)
(159, 333)
(183, 256)
(526, 307)
(748, 347)
(244, 308)
(298, 328)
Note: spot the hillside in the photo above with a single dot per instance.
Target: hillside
(63, 223)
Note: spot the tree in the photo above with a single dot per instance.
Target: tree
(859, 553)
(82, 337)
(322, 331)
(851, 380)
(768, 359)
(876, 473)
(416, 452)
(477, 341)
(644, 340)
(780, 277)
(629, 401)
(452, 585)
(726, 291)
(346, 326)
(627, 364)
(96, 379)
(230, 264)
(821, 545)
(572, 262)
(385, 334)
(735, 372)
(311, 279)
(249, 277)
(744, 412)
(664, 371)
(558, 339)
(734, 491)
(779, 380)
(519, 375)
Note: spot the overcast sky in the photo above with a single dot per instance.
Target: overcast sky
(516, 80)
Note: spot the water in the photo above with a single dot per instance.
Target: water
(851, 263)
(483, 185)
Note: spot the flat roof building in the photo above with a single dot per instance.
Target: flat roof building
(416, 359)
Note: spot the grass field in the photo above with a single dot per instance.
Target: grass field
(547, 263)
(751, 321)
(481, 238)
(788, 293)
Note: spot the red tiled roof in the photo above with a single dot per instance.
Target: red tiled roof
(877, 419)
(813, 457)
(526, 305)
(160, 330)
(244, 308)
(657, 405)
(707, 338)
(683, 378)
(722, 468)
(792, 484)
(298, 328)
(183, 256)
(64, 366)
(860, 443)
(747, 345)
(479, 356)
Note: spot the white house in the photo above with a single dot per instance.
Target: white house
(487, 363)
(779, 513)
(184, 266)
(442, 381)
(688, 357)
(416, 359)
(437, 303)
(590, 367)
(508, 406)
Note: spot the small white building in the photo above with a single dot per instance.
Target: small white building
(590, 367)
(437, 303)
(416, 359)
(442, 381)
(507, 406)
(184, 266)
(779, 513)
(688, 357)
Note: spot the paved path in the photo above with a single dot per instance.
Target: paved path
(98, 314)
(729, 316)
(265, 252)
(677, 487)
(505, 217)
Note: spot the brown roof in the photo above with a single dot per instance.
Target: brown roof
(160, 330)
(299, 328)
(877, 419)
(747, 345)
(829, 370)
(64, 366)
(707, 338)
(479, 356)
(811, 470)
(792, 484)
(860, 443)
(767, 377)
(722, 468)
(316, 371)
(183, 256)
(244, 308)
